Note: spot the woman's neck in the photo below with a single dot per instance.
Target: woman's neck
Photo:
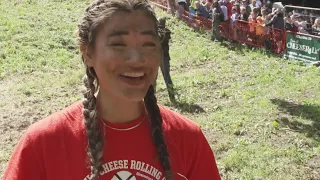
(118, 110)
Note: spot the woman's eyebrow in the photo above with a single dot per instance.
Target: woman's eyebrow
(122, 33)
(118, 33)
(149, 32)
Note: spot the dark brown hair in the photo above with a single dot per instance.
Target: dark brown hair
(95, 15)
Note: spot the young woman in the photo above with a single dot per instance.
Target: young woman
(118, 131)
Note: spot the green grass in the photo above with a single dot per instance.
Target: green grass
(261, 114)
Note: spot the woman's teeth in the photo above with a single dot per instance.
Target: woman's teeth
(133, 74)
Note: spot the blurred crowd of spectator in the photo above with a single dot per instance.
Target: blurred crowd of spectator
(258, 12)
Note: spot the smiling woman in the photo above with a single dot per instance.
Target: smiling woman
(118, 131)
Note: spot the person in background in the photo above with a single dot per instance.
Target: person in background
(192, 13)
(264, 15)
(181, 8)
(252, 24)
(201, 10)
(253, 4)
(287, 18)
(264, 2)
(263, 18)
(238, 5)
(302, 30)
(235, 14)
(208, 7)
(313, 17)
(217, 17)
(268, 6)
(165, 35)
(243, 14)
(247, 6)
(229, 6)
(299, 22)
(293, 27)
(259, 26)
(183, 4)
(258, 3)
(277, 22)
(224, 10)
(316, 27)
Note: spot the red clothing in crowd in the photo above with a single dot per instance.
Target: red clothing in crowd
(229, 6)
(55, 148)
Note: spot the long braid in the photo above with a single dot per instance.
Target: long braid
(157, 131)
(95, 141)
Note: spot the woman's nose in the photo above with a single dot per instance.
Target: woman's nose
(134, 54)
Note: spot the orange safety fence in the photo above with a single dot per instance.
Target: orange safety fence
(255, 35)
(250, 33)
(226, 30)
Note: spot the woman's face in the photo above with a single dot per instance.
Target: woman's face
(234, 10)
(243, 11)
(254, 3)
(126, 55)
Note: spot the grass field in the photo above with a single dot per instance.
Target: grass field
(260, 114)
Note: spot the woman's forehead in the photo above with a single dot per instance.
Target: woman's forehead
(136, 21)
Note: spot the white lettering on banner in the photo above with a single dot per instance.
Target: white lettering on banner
(295, 46)
(308, 49)
(304, 37)
(122, 168)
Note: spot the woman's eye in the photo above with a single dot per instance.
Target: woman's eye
(149, 44)
(117, 44)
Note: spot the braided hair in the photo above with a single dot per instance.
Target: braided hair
(96, 15)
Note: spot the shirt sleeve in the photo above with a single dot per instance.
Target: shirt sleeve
(202, 163)
(24, 162)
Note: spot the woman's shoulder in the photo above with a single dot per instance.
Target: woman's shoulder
(66, 119)
(176, 122)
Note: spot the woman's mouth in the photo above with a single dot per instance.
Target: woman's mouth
(133, 79)
(133, 74)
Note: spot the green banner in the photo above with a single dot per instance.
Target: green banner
(302, 47)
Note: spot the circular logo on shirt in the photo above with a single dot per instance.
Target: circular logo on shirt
(123, 175)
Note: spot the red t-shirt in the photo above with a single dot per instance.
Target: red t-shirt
(229, 7)
(55, 148)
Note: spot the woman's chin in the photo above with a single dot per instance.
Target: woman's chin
(135, 95)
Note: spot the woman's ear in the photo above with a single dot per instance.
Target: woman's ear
(87, 55)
